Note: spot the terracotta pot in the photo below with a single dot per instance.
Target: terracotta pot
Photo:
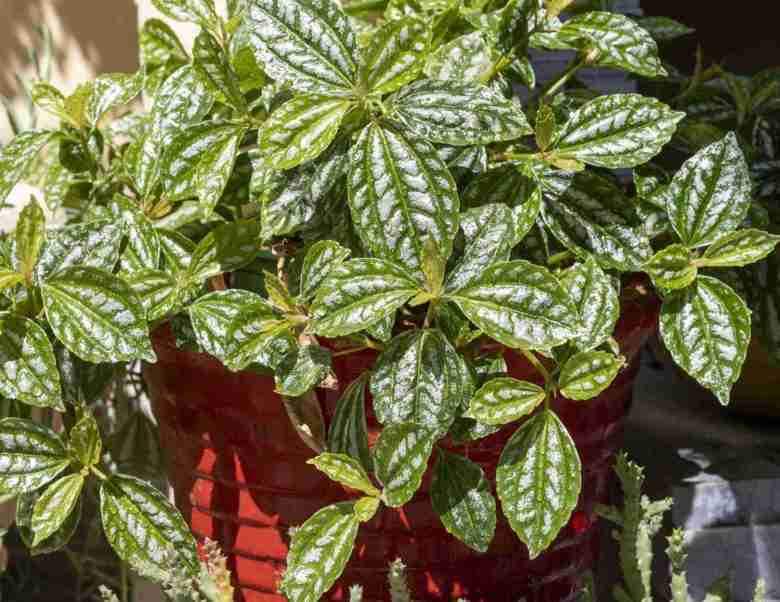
(239, 474)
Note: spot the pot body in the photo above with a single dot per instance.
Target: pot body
(239, 473)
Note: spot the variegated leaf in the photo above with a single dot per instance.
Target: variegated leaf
(91, 244)
(28, 368)
(710, 195)
(25, 503)
(309, 44)
(17, 155)
(348, 432)
(672, 267)
(157, 290)
(596, 300)
(159, 44)
(503, 400)
(212, 65)
(84, 442)
(396, 55)
(201, 12)
(538, 480)
(460, 114)
(112, 90)
(346, 470)
(28, 239)
(740, 248)
(465, 59)
(357, 294)
(663, 29)
(417, 380)
(400, 459)
(617, 130)
(31, 455)
(225, 249)
(302, 370)
(54, 506)
(589, 374)
(706, 328)
(519, 304)
(400, 194)
(143, 248)
(320, 260)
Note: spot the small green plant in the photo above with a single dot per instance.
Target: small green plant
(316, 179)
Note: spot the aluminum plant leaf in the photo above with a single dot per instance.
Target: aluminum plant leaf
(93, 244)
(348, 431)
(400, 459)
(25, 503)
(302, 370)
(227, 248)
(491, 232)
(301, 129)
(10, 278)
(176, 250)
(54, 506)
(396, 55)
(460, 114)
(357, 294)
(711, 194)
(503, 400)
(31, 455)
(29, 237)
(663, 29)
(321, 258)
(309, 44)
(519, 304)
(462, 497)
(96, 316)
(417, 380)
(538, 480)
(17, 155)
(84, 442)
(740, 248)
(464, 162)
(159, 44)
(112, 90)
(597, 302)
(346, 470)
(144, 528)
(278, 293)
(706, 328)
(590, 215)
(28, 367)
(400, 194)
(202, 12)
(672, 267)
(504, 184)
(199, 160)
(143, 248)
(319, 551)
(616, 131)
(212, 65)
(465, 59)
(49, 99)
(588, 374)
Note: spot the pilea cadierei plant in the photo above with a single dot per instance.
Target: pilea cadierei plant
(316, 179)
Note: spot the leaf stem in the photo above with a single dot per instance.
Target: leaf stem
(344, 352)
(365, 6)
(554, 86)
(560, 258)
(496, 68)
(529, 355)
(98, 473)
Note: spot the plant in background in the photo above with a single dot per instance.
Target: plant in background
(316, 179)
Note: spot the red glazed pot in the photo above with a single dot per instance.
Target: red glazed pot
(240, 477)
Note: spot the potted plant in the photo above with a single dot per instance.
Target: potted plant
(359, 277)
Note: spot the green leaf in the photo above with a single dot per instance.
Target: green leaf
(460, 114)
(301, 129)
(25, 504)
(706, 328)
(545, 127)
(176, 250)
(278, 294)
(710, 195)
(143, 527)
(616, 131)
(112, 90)
(159, 44)
(348, 432)
(28, 368)
(77, 103)
(85, 443)
(400, 459)
(345, 470)
(319, 551)
(519, 304)
(417, 380)
(320, 260)
(505, 184)
(31, 455)
(93, 244)
(29, 238)
(664, 29)
(462, 497)
(465, 59)
(225, 249)
(538, 480)
(212, 65)
(143, 248)
(740, 248)
(49, 99)
(9, 279)
(588, 374)
(17, 155)
(201, 12)
(596, 300)
(302, 370)
(357, 294)
(503, 400)
(199, 160)
(158, 292)
(309, 44)
(673, 267)
(366, 508)
(96, 316)
(54, 506)
(400, 194)
(396, 55)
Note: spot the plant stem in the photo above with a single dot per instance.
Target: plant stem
(125, 582)
(98, 473)
(529, 355)
(364, 6)
(495, 69)
(555, 85)
(344, 352)
(560, 258)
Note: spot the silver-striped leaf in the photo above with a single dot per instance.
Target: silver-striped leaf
(503, 400)
(346, 470)
(212, 65)
(588, 374)
(673, 267)
(322, 257)
(158, 291)
(400, 460)
(302, 370)
(202, 12)
(25, 503)
(54, 506)
(17, 155)
(465, 59)
(31, 455)
(740, 248)
(111, 90)
(94, 244)
(348, 431)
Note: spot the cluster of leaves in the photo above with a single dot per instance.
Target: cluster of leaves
(315, 179)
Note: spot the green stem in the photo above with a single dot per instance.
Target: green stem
(560, 258)
(98, 473)
(555, 85)
(529, 355)
(349, 351)
(125, 582)
(365, 6)
(430, 313)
